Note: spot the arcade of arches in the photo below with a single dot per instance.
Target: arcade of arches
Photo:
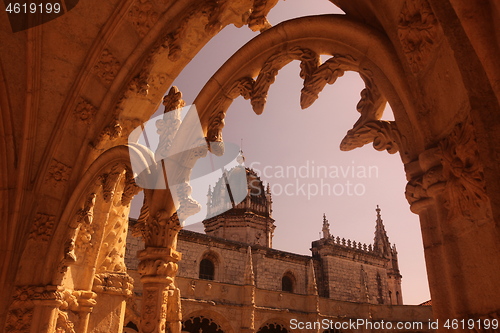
(73, 89)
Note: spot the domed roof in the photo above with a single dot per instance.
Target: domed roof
(230, 197)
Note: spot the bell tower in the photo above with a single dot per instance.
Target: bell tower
(249, 221)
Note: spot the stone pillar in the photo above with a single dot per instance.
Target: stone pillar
(161, 310)
(34, 309)
(447, 190)
(112, 290)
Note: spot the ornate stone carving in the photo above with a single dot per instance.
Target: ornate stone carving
(20, 314)
(465, 188)
(453, 170)
(64, 325)
(384, 135)
(161, 299)
(169, 125)
(85, 111)
(42, 228)
(112, 131)
(187, 205)
(113, 283)
(130, 190)
(257, 20)
(58, 172)
(368, 128)
(84, 219)
(107, 67)
(143, 16)
(309, 62)
(139, 84)
(417, 31)
(109, 181)
(328, 72)
(161, 230)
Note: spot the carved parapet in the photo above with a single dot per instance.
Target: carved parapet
(113, 283)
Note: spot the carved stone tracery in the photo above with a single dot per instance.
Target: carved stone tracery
(369, 128)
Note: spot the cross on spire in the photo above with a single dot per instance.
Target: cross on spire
(326, 227)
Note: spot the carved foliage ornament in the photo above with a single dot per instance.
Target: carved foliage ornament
(58, 172)
(143, 16)
(107, 67)
(418, 32)
(457, 174)
(465, 188)
(42, 228)
(85, 111)
(19, 316)
(384, 135)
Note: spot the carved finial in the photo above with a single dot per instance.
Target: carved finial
(381, 243)
(249, 275)
(326, 227)
(173, 100)
(312, 288)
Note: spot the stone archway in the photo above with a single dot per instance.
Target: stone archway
(56, 124)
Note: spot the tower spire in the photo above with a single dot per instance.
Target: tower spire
(326, 227)
(381, 244)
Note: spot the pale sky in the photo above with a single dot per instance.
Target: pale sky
(285, 136)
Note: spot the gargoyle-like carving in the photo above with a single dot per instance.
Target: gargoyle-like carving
(418, 32)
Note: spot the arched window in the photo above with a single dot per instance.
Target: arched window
(201, 324)
(207, 269)
(273, 328)
(287, 282)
